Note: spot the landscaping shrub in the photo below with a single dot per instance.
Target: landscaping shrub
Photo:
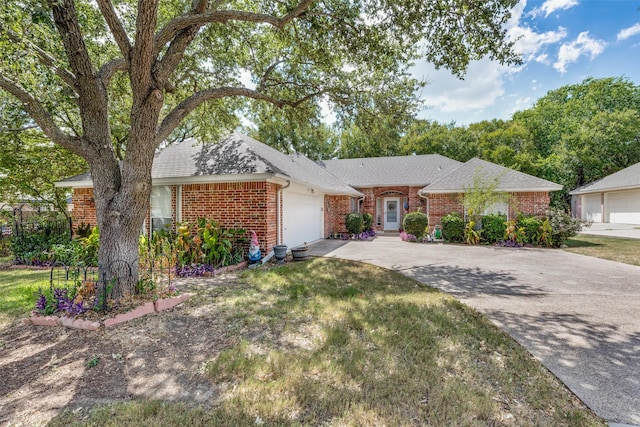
(368, 221)
(207, 243)
(531, 226)
(493, 227)
(354, 223)
(415, 223)
(453, 227)
(471, 235)
(563, 226)
(32, 242)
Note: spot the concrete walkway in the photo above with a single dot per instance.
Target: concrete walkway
(631, 231)
(578, 315)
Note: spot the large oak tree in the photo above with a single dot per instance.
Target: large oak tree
(111, 80)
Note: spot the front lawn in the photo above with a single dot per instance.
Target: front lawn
(331, 342)
(18, 288)
(612, 248)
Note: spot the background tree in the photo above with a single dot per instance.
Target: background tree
(62, 59)
(30, 164)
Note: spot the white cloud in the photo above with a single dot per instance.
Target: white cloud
(571, 52)
(550, 6)
(482, 86)
(629, 32)
(529, 43)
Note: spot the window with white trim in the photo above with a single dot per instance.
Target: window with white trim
(160, 208)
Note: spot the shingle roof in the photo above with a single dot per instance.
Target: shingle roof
(509, 180)
(391, 171)
(627, 178)
(236, 154)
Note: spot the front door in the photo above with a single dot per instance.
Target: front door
(391, 213)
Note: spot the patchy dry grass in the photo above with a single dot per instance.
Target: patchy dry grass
(612, 248)
(330, 342)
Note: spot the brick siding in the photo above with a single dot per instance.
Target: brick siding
(248, 205)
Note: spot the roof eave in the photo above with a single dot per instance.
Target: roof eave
(500, 190)
(603, 190)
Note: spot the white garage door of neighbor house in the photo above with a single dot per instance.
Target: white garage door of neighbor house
(591, 208)
(302, 218)
(623, 207)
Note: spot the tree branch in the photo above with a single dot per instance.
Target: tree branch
(117, 29)
(179, 44)
(169, 31)
(142, 54)
(45, 59)
(182, 110)
(109, 69)
(41, 116)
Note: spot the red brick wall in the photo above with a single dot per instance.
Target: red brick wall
(84, 207)
(335, 210)
(249, 205)
(529, 203)
(443, 204)
(532, 203)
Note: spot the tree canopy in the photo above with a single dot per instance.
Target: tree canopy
(111, 80)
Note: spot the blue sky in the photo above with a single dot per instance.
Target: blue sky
(562, 42)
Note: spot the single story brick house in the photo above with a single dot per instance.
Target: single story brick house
(612, 199)
(290, 199)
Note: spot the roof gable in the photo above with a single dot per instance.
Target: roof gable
(627, 178)
(508, 179)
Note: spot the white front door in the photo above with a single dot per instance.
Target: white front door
(391, 213)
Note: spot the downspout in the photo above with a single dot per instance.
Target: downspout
(278, 214)
(360, 200)
(421, 195)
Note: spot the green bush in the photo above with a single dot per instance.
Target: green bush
(368, 221)
(493, 227)
(453, 227)
(415, 223)
(563, 226)
(354, 223)
(531, 226)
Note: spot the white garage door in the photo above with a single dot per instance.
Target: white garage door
(591, 208)
(623, 207)
(302, 218)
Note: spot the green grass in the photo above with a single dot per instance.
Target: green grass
(330, 342)
(612, 248)
(18, 288)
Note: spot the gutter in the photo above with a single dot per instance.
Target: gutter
(278, 212)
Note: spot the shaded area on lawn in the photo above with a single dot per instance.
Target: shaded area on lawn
(318, 342)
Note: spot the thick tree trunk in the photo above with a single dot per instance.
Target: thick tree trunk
(121, 200)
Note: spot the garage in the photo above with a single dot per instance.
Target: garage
(623, 207)
(302, 216)
(592, 207)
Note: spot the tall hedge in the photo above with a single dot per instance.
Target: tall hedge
(368, 221)
(493, 227)
(453, 227)
(415, 223)
(354, 223)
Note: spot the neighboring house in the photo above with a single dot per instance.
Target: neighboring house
(290, 199)
(613, 199)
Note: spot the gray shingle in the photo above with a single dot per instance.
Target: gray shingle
(391, 171)
(627, 178)
(235, 154)
(508, 179)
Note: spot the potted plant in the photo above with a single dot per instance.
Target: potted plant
(300, 253)
(280, 252)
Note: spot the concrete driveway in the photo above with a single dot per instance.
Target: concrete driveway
(580, 316)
